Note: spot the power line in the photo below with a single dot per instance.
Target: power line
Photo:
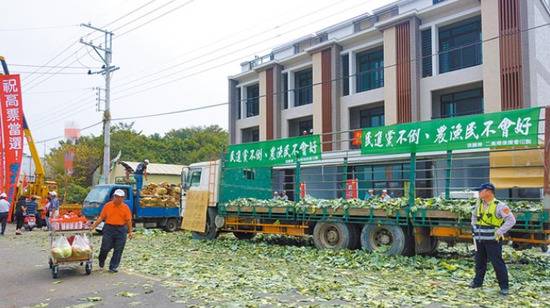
(145, 82)
(63, 136)
(36, 28)
(47, 66)
(129, 13)
(54, 57)
(335, 79)
(156, 18)
(170, 112)
(57, 91)
(232, 44)
(55, 73)
(140, 17)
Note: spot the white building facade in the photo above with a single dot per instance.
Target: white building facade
(412, 60)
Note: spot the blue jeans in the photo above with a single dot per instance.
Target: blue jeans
(139, 181)
(114, 237)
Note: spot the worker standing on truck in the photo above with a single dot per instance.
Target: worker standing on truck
(141, 171)
(491, 219)
(118, 226)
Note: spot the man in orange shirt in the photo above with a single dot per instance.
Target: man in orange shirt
(118, 226)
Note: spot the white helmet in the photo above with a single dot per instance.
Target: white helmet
(146, 161)
(3, 195)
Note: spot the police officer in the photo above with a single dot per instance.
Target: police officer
(491, 219)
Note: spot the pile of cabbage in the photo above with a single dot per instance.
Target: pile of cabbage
(461, 207)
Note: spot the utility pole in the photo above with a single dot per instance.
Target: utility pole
(106, 70)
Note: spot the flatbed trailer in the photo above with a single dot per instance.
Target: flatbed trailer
(446, 174)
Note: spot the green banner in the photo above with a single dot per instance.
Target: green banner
(499, 129)
(274, 152)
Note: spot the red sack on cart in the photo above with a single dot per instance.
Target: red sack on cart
(61, 249)
(81, 247)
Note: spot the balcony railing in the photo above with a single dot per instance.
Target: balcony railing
(460, 57)
(303, 96)
(371, 79)
(252, 107)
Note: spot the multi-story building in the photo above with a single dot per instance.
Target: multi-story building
(411, 60)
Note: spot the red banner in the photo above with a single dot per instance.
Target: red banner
(12, 134)
(351, 189)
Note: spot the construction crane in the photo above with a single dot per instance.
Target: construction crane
(38, 187)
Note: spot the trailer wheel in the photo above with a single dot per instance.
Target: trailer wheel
(390, 239)
(244, 235)
(211, 232)
(332, 235)
(171, 225)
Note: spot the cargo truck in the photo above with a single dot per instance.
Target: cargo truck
(233, 194)
(152, 214)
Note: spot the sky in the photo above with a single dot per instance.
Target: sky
(172, 54)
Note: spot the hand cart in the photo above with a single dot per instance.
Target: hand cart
(82, 260)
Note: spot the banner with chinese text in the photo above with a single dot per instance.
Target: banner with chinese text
(274, 152)
(12, 133)
(508, 128)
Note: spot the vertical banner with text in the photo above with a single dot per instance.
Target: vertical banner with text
(12, 133)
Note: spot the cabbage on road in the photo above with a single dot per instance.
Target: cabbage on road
(272, 269)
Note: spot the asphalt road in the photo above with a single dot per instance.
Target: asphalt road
(26, 280)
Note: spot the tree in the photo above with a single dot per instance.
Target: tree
(178, 146)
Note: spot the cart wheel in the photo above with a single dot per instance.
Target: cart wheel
(88, 268)
(50, 262)
(55, 271)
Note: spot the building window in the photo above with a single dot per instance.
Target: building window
(462, 103)
(361, 117)
(427, 53)
(306, 127)
(285, 90)
(460, 45)
(373, 117)
(252, 101)
(250, 134)
(239, 103)
(303, 82)
(345, 75)
(300, 127)
(370, 70)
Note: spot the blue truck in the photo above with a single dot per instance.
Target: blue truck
(161, 216)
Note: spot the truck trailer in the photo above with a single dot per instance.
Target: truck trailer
(327, 190)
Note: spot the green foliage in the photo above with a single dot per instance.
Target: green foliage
(178, 146)
(75, 193)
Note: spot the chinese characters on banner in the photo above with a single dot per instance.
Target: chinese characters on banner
(12, 133)
(499, 129)
(274, 152)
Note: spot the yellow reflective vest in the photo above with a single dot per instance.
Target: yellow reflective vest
(488, 217)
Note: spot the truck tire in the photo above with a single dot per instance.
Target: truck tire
(211, 231)
(333, 235)
(244, 235)
(171, 225)
(392, 238)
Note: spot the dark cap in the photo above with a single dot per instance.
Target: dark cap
(489, 186)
